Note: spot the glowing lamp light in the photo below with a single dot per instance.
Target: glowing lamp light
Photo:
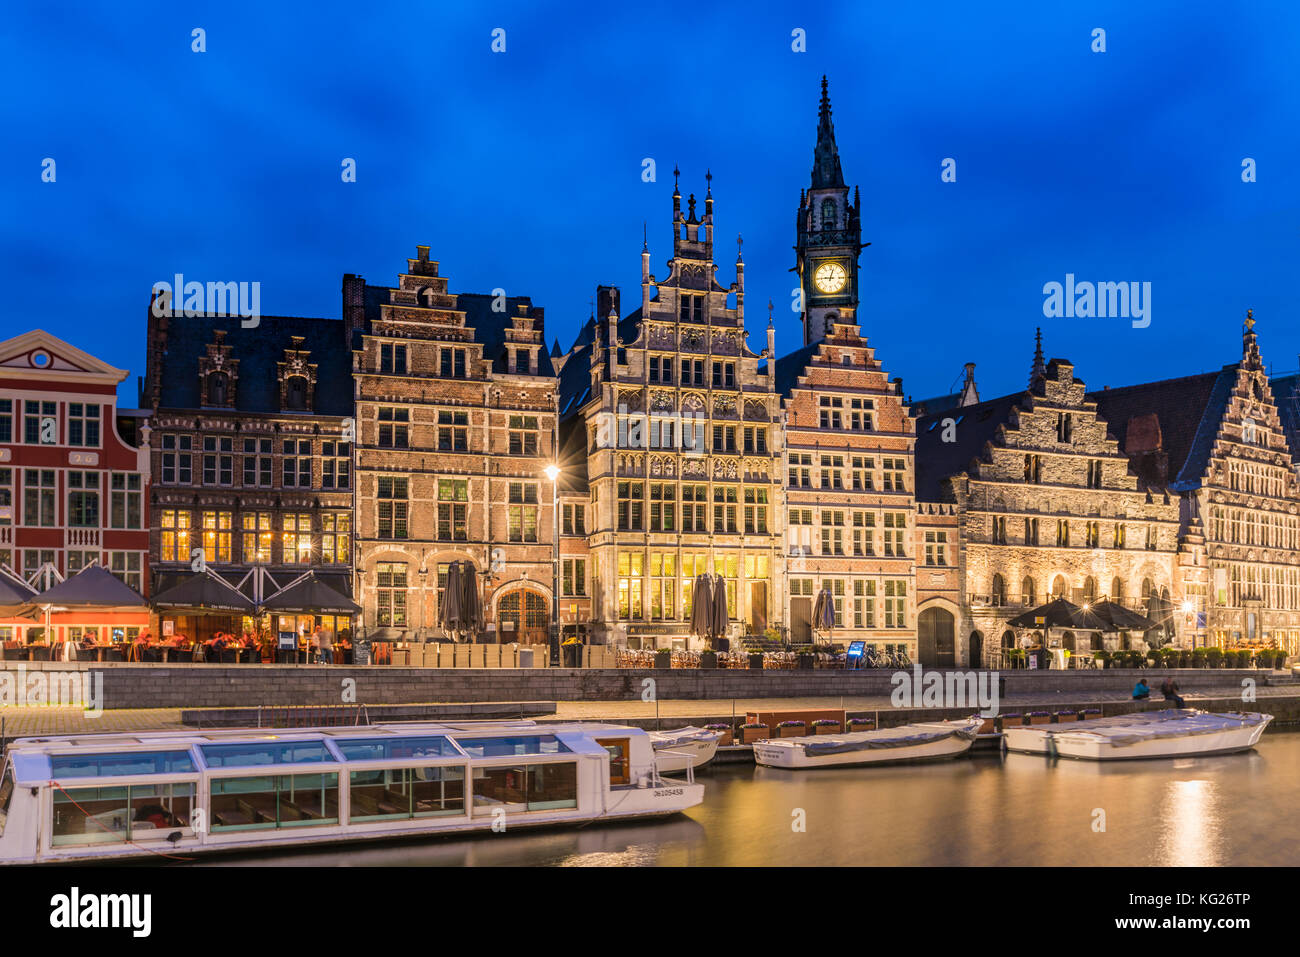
(552, 472)
(1188, 607)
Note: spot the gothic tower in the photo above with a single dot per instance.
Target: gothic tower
(829, 237)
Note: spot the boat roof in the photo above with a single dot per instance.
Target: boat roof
(31, 757)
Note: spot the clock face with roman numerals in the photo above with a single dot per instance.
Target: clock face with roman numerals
(830, 277)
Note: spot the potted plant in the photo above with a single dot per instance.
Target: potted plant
(1243, 658)
(791, 729)
(1012, 719)
(724, 730)
(862, 724)
(708, 659)
(826, 726)
(753, 731)
(663, 658)
(1040, 717)
(756, 660)
(1135, 659)
(1088, 714)
(1157, 657)
(1200, 657)
(1214, 657)
(1102, 657)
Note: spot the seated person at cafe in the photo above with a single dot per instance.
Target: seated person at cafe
(1169, 688)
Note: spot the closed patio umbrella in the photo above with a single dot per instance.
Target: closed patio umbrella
(824, 611)
(14, 593)
(449, 613)
(701, 607)
(718, 616)
(471, 608)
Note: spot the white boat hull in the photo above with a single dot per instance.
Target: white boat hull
(1078, 742)
(685, 754)
(790, 752)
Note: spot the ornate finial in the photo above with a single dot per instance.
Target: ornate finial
(1039, 370)
(740, 242)
(1250, 320)
(769, 313)
(708, 176)
(645, 238)
(676, 173)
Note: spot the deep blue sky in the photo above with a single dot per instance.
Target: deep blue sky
(522, 170)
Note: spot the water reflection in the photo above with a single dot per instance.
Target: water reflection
(981, 810)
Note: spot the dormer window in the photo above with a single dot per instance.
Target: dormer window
(521, 361)
(295, 394)
(218, 389)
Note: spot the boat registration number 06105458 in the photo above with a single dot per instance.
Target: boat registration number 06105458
(669, 792)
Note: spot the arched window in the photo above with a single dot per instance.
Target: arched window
(1116, 589)
(1058, 586)
(295, 394)
(1147, 588)
(1027, 592)
(828, 214)
(1090, 589)
(218, 389)
(999, 596)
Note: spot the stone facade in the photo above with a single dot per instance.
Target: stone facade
(1049, 508)
(456, 416)
(1220, 444)
(682, 448)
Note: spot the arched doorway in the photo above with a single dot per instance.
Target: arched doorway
(1059, 587)
(522, 617)
(936, 636)
(976, 650)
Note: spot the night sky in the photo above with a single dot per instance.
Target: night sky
(523, 170)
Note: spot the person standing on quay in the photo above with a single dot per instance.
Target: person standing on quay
(325, 643)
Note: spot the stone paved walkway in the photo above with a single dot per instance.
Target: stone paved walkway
(30, 722)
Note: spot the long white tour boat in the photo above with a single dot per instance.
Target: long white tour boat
(688, 747)
(1168, 733)
(181, 794)
(922, 741)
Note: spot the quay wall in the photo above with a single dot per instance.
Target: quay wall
(207, 686)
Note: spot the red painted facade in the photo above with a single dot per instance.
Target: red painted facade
(72, 489)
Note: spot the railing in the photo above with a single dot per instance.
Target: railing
(83, 537)
(658, 780)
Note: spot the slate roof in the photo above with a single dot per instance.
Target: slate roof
(1286, 393)
(1189, 410)
(976, 424)
(943, 403)
(258, 350)
(790, 367)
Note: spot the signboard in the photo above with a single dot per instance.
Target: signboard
(1033, 661)
(288, 640)
(169, 628)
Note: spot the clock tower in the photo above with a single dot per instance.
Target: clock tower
(829, 238)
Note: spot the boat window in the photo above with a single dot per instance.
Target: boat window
(370, 749)
(274, 801)
(120, 814)
(495, 747)
(106, 765)
(530, 787)
(268, 752)
(397, 793)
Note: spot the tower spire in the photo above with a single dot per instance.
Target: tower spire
(1039, 371)
(826, 157)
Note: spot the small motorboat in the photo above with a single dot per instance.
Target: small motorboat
(1170, 733)
(688, 747)
(922, 741)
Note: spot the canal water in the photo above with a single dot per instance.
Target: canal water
(978, 810)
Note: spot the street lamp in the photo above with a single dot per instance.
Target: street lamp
(552, 472)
